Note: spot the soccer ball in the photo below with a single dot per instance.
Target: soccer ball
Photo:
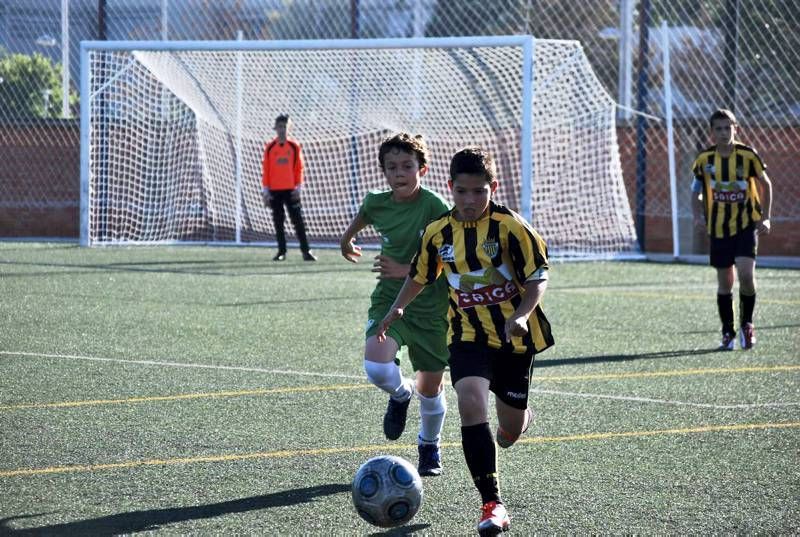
(387, 491)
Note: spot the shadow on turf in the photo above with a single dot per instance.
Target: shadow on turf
(194, 267)
(623, 357)
(403, 530)
(136, 521)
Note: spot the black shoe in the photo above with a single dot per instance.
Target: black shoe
(308, 256)
(430, 459)
(394, 421)
(728, 341)
(280, 256)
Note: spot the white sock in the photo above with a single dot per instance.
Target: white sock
(431, 413)
(388, 378)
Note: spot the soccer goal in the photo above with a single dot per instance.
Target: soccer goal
(172, 134)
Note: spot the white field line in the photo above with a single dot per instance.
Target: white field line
(661, 401)
(188, 365)
(356, 377)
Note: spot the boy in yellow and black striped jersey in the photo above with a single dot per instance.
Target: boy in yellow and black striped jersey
(497, 270)
(735, 195)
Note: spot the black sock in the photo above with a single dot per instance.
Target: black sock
(725, 307)
(747, 303)
(480, 453)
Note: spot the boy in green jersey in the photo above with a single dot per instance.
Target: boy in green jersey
(400, 215)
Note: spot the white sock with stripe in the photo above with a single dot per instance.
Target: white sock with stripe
(431, 413)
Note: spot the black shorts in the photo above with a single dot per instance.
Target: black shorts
(723, 252)
(509, 374)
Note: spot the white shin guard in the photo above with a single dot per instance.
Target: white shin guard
(388, 378)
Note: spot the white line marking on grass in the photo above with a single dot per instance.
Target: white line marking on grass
(660, 295)
(189, 365)
(672, 373)
(283, 454)
(662, 401)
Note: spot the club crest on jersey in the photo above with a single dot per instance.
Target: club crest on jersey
(491, 247)
(710, 170)
(447, 253)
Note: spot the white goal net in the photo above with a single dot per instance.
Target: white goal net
(173, 134)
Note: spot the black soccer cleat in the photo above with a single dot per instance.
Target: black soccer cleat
(430, 460)
(728, 341)
(308, 256)
(280, 256)
(394, 421)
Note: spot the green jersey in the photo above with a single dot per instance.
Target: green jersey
(400, 226)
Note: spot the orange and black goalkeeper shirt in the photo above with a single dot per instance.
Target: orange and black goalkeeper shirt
(487, 263)
(728, 186)
(282, 165)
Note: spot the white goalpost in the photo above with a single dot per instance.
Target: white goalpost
(172, 134)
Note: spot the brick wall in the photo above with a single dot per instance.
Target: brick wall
(40, 180)
(40, 184)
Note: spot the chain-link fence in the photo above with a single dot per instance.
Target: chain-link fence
(739, 54)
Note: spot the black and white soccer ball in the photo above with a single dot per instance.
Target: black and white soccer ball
(387, 491)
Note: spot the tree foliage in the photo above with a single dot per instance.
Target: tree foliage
(30, 86)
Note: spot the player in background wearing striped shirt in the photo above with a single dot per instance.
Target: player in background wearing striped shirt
(735, 196)
(497, 269)
(281, 181)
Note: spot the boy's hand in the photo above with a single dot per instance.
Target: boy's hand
(392, 316)
(350, 251)
(516, 326)
(763, 227)
(266, 195)
(388, 268)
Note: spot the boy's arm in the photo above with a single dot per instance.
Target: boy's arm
(350, 251)
(517, 324)
(298, 175)
(298, 170)
(766, 203)
(265, 175)
(388, 269)
(407, 293)
(698, 199)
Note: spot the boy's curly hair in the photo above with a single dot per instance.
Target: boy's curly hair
(408, 143)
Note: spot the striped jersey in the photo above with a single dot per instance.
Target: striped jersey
(730, 193)
(486, 263)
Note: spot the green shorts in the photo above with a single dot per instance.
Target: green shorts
(425, 337)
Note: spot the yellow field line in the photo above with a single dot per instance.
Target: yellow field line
(179, 397)
(341, 387)
(282, 454)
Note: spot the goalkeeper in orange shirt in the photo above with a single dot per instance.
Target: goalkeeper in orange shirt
(281, 180)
